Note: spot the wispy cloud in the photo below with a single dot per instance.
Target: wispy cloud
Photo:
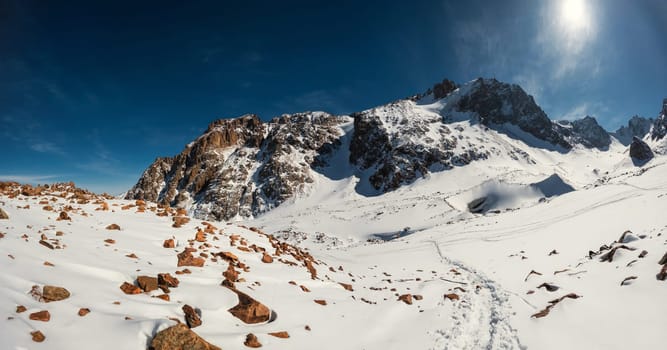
(47, 147)
(585, 109)
(30, 179)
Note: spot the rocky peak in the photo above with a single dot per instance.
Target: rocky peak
(242, 166)
(587, 132)
(659, 129)
(637, 126)
(497, 103)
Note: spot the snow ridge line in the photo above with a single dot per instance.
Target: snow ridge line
(483, 322)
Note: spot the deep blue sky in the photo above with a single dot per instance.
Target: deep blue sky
(93, 91)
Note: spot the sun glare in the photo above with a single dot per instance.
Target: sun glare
(574, 14)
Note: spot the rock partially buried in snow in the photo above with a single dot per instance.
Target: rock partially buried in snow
(3, 215)
(37, 336)
(43, 316)
(251, 341)
(185, 258)
(191, 317)
(282, 334)
(113, 227)
(129, 288)
(53, 293)
(179, 337)
(249, 310)
(147, 283)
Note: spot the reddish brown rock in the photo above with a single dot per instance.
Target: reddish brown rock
(185, 258)
(179, 337)
(164, 297)
(43, 316)
(147, 283)
(63, 216)
(321, 302)
(406, 298)
(231, 274)
(165, 279)
(20, 309)
(267, 259)
(347, 287)
(304, 288)
(113, 227)
(109, 241)
(3, 215)
(191, 317)
(452, 296)
(84, 311)
(180, 221)
(200, 236)
(169, 243)
(53, 293)
(251, 341)
(46, 263)
(417, 297)
(249, 310)
(37, 336)
(129, 288)
(283, 334)
(46, 244)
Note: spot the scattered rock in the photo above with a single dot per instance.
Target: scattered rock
(180, 221)
(663, 260)
(129, 288)
(165, 279)
(164, 297)
(609, 256)
(283, 334)
(452, 296)
(266, 258)
(643, 253)
(626, 281)
(63, 216)
(549, 287)
(84, 311)
(249, 310)
(113, 227)
(347, 287)
(53, 293)
(417, 297)
(43, 316)
(20, 309)
(46, 244)
(662, 275)
(406, 298)
(553, 303)
(304, 288)
(37, 336)
(109, 241)
(3, 215)
(191, 317)
(169, 243)
(251, 341)
(532, 272)
(321, 302)
(46, 263)
(147, 283)
(553, 252)
(185, 258)
(179, 337)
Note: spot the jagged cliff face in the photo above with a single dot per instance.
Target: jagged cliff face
(242, 166)
(586, 132)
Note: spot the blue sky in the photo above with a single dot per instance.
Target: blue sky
(94, 91)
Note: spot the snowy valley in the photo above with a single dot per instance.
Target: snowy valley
(459, 218)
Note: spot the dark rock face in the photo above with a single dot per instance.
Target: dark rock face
(637, 126)
(401, 145)
(586, 132)
(498, 103)
(441, 90)
(242, 166)
(659, 129)
(639, 150)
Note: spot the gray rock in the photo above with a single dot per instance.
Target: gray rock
(640, 151)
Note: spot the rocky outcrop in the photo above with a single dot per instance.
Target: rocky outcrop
(179, 337)
(637, 126)
(242, 166)
(639, 150)
(499, 103)
(659, 128)
(586, 132)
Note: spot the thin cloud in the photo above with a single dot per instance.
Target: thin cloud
(30, 179)
(47, 147)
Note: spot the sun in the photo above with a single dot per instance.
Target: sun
(574, 14)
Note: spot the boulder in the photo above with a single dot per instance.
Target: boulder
(147, 283)
(165, 279)
(639, 150)
(129, 288)
(169, 243)
(53, 293)
(179, 337)
(191, 317)
(251, 341)
(185, 258)
(43, 316)
(37, 336)
(249, 310)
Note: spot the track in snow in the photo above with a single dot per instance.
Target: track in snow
(482, 321)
